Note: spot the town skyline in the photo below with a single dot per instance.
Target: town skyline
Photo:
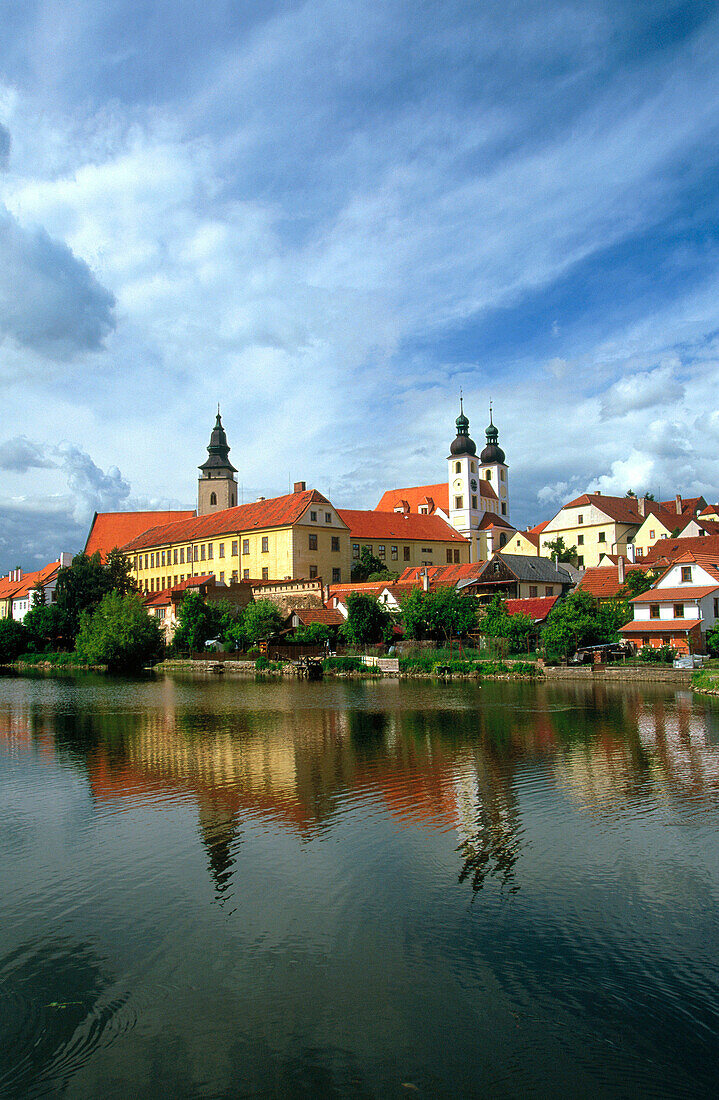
(528, 213)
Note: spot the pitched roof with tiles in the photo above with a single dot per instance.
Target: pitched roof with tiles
(39, 577)
(325, 615)
(437, 496)
(111, 529)
(402, 526)
(538, 529)
(536, 607)
(668, 550)
(657, 595)
(8, 588)
(619, 509)
(259, 515)
(602, 581)
(439, 575)
(659, 626)
(524, 568)
(365, 588)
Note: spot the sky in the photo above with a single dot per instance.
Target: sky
(330, 217)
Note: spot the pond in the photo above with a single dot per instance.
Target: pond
(228, 887)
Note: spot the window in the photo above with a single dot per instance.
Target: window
(245, 574)
(449, 555)
(245, 546)
(382, 551)
(222, 577)
(653, 610)
(146, 566)
(487, 475)
(313, 572)
(666, 640)
(394, 553)
(716, 608)
(580, 519)
(504, 509)
(532, 591)
(175, 580)
(405, 553)
(210, 550)
(182, 577)
(336, 576)
(213, 499)
(313, 517)
(152, 561)
(233, 576)
(601, 537)
(687, 573)
(203, 551)
(313, 542)
(328, 517)
(355, 549)
(265, 573)
(174, 556)
(458, 467)
(265, 544)
(189, 553)
(580, 540)
(548, 590)
(651, 534)
(195, 553)
(473, 467)
(459, 502)
(645, 640)
(580, 561)
(163, 557)
(456, 557)
(160, 613)
(426, 549)
(678, 610)
(234, 549)
(474, 503)
(501, 475)
(335, 544)
(639, 553)
(222, 549)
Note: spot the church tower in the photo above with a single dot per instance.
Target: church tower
(466, 508)
(216, 487)
(493, 467)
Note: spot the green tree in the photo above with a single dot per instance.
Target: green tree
(13, 640)
(197, 623)
(119, 577)
(367, 621)
(119, 633)
(441, 614)
(43, 628)
(580, 621)
(262, 619)
(558, 549)
(312, 634)
(80, 587)
(519, 629)
(366, 564)
(637, 581)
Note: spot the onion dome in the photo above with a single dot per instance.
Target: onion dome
(218, 450)
(492, 452)
(462, 445)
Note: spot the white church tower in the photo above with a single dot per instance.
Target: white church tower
(478, 490)
(493, 467)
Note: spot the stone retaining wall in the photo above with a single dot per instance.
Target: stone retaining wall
(650, 674)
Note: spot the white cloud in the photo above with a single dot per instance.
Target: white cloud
(642, 390)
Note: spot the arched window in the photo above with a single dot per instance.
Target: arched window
(458, 467)
(213, 498)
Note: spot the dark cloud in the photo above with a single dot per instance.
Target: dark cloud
(4, 146)
(20, 454)
(49, 299)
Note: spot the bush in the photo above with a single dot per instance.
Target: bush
(13, 640)
(343, 664)
(665, 654)
(119, 633)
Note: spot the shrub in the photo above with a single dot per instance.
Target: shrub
(119, 633)
(665, 654)
(13, 640)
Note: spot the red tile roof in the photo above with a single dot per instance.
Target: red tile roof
(489, 519)
(366, 588)
(602, 581)
(659, 626)
(111, 529)
(325, 615)
(537, 608)
(441, 574)
(659, 595)
(261, 514)
(403, 527)
(538, 529)
(620, 509)
(668, 550)
(416, 495)
(32, 580)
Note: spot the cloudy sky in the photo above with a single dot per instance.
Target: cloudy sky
(329, 216)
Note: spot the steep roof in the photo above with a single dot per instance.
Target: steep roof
(273, 512)
(619, 509)
(439, 575)
(602, 581)
(656, 595)
(530, 569)
(35, 579)
(537, 607)
(402, 526)
(417, 495)
(325, 615)
(111, 529)
(667, 550)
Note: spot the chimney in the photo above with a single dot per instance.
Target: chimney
(300, 487)
(425, 580)
(260, 498)
(65, 560)
(678, 502)
(631, 553)
(597, 492)
(642, 506)
(620, 569)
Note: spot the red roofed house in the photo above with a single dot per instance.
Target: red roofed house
(111, 529)
(474, 500)
(401, 539)
(606, 582)
(18, 588)
(680, 607)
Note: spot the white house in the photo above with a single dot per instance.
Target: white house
(44, 579)
(680, 607)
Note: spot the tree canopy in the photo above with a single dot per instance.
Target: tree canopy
(13, 640)
(441, 614)
(367, 621)
(366, 565)
(119, 633)
(580, 621)
(82, 585)
(558, 549)
(518, 629)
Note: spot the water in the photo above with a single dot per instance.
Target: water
(229, 888)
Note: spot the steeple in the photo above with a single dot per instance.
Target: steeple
(217, 487)
(462, 445)
(492, 452)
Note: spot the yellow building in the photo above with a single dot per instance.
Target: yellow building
(403, 539)
(525, 542)
(300, 535)
(595, 525)
(670, 519)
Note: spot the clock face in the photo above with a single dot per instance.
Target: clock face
(474, 486)
(458, 483)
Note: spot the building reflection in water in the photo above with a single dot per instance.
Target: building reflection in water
(449, 766)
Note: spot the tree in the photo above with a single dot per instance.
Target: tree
(367, 621)
(197, 623)
(366, 564)
(312, 634)
(119, 576)
(713, 640)
(13, 640)
(441, 614)
(558, 549)
(638, 581)
(119, 633)
(518, 629)
(43, 628)
(262, 619)
(579, 621)
(80, 587)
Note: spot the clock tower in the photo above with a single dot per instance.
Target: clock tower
(466, 507)
(493, 467)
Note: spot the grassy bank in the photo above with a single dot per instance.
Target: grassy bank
(706, 681)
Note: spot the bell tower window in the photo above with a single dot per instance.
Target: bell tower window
(458, 467)
(213, 498)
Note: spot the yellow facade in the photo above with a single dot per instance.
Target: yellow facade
(590, 531)
(310, 548)
(652, 529)
(520, 544)
(400, 554)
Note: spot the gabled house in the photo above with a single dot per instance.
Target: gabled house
(526, 542)
(517, 576)
(680, 608)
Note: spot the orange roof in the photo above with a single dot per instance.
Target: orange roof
(668, 550)
(436, 496)
(602, 581)
(620, 509)
(404, 527)
(325, 615)
(659, 626)
(273, 512)
(8, 587)
(438, 575)
(538, 529)
(536, 607)
(657, 595)
(32, 580)
(111, 529)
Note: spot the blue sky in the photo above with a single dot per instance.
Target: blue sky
(329, 216)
